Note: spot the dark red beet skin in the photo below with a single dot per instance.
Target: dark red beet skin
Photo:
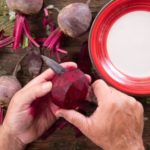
(69, 89)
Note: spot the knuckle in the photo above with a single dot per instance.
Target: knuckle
(99, 83)
(132, 101)
(140, 107)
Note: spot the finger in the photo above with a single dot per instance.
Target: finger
(75, 118)
(101, 90)
(118, 93)
(28, 95)
(49, 74)
(89, 78)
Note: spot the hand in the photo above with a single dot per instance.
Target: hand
(117, 123)
(30, 111)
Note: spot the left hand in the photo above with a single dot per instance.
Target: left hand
(30, 111)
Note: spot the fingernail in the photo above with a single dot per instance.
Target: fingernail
(47, 86)
(58, 114)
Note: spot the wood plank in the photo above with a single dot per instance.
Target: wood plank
(61, 139)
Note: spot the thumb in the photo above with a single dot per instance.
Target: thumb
(75, 118)
(28, 95)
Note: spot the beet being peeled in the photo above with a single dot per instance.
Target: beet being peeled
(69, 86)
(73, 20)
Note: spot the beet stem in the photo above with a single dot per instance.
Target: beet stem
(53, 65)
(54, 41)
(6, 41)
(46, 12)
(18, 29)
(46, 43)
(25, 26)
(61, 51)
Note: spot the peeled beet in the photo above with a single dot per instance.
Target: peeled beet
(25, 6)
(69, 89)
(75, 19)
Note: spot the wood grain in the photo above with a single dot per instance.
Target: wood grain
(61, 139)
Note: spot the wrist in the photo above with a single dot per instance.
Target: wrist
(9, 141)
(127, 145)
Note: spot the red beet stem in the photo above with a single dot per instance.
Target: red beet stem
(6, 41)
(18, 30)
(46, 12)
(61, 51)
(27, 32)
(46, 43)
(22, 27)
(56, 38)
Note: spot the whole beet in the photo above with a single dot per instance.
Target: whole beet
(25, 6)
(75, 19)
(9, 85)
(32, 62)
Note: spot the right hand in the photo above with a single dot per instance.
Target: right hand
(117, 123)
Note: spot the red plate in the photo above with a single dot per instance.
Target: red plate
(138, 86)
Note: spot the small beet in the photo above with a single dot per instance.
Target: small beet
(73, 20)
(33, 62)
(69, 86)
(25, 6)
(9, 85)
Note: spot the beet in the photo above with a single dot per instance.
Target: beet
(73, 20)
(21, 27)
(9, 85)
(32, 62)
(25, 6)
(69, 86)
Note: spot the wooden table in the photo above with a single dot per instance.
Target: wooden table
(61, 139)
